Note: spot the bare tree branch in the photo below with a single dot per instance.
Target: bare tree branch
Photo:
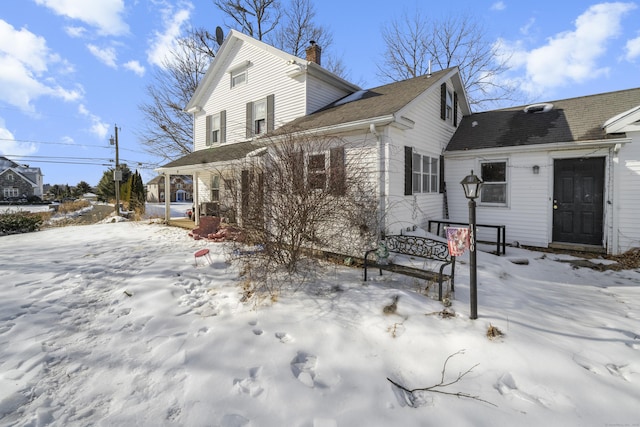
(168, 128)
(256, 18)
(436, 388)
(414, 41)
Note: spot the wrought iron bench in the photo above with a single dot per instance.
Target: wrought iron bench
(415, 246)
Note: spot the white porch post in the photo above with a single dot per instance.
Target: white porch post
(167, 197)
(196, 198)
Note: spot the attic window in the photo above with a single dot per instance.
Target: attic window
(238, 78)
(239, 74)
(538, 108)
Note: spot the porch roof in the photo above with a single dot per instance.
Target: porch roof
(569, 120)
(221, 153)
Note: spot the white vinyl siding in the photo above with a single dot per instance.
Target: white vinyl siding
(627, 196)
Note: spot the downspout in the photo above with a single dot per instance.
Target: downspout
(381, 180)
(615, 192)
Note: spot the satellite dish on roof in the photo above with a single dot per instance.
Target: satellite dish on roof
(219, 36)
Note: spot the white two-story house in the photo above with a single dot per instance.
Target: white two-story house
(252, 91)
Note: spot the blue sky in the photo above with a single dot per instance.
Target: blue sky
(70, 70)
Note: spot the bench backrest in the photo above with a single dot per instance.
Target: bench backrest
(418, 246)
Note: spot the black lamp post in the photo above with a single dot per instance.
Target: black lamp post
(471, 185)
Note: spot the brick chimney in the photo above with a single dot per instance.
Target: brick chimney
(313, 52)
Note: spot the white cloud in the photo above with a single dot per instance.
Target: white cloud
(498, 6)
(98, 127)
(75, 32)
(163, 42)
(105, 55)
(135, 67)
(571, 56)
(105, 15)
(526, 28)
(25, 47)
(633, 49)
(8, 144)
(25, 61)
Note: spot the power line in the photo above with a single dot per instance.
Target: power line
(72, 144)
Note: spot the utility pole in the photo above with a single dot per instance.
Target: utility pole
(117, 173)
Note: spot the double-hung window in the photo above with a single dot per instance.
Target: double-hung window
(494, 187)
(424, 174)
(216, 128)
(11, 192)
(215, 188)
(449, 105)
(259, 117)
(316, 172)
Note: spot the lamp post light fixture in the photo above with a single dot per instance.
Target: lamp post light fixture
(472, 185)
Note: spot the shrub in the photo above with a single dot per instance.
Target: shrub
(20, 222)
(74, 206)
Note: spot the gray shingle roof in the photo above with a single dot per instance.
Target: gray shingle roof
(570, 120)
(222, 153)
(376, 102)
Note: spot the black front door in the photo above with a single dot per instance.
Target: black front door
(578, 206)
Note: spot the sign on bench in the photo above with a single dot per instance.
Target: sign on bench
(415, 246)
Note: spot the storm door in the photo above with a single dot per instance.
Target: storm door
(578, 205)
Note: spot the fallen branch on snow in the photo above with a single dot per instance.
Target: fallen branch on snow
(436, 388)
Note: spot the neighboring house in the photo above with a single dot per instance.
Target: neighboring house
(181, 189)
(91, 197)
(19, 181)
(558, 174)
(253, 92)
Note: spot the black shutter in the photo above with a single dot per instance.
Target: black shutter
(207, 138)
(223, 126)
(297, 169)
(249, 119)
(455, 108)
(441, 174)
(443, 101)
(408, 171)
(270, 114)
(337, 172)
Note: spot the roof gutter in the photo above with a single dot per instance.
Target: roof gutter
(570, 145)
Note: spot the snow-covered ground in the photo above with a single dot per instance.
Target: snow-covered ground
(113, 324)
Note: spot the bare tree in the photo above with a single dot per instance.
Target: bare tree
(414, 43)
(168, 128)
(256, 18)
(297, 29)
(312, 187)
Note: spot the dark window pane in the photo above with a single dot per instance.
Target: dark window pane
(494, 172)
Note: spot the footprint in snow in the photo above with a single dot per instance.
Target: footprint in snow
(284, 337)
(305, 368)
(250, 385)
